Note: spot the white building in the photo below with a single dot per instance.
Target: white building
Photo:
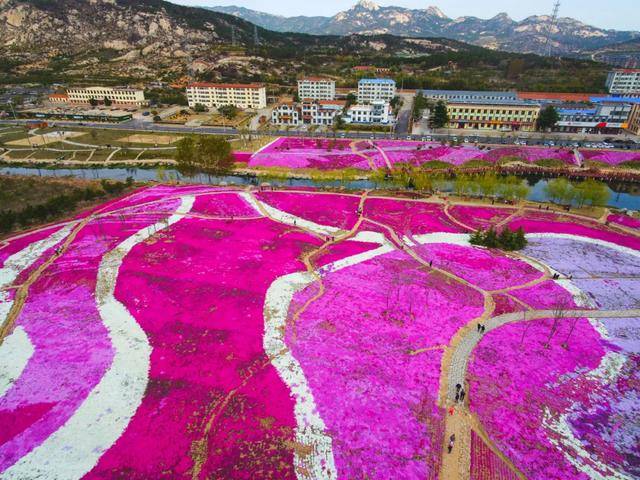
(321, 112)
(213, 95)
(286, 114)
(377, 112)
(315, 88)
(624, 82)
(117, 95)
(373, 89)
(310, 112)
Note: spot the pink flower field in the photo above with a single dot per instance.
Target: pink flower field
(195, 332)
(325, 154)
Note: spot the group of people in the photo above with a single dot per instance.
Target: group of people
(481, 328)
(460, 393)
(556, 276)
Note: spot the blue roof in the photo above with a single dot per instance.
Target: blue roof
(615, 99)
(377, 80)
(471, 93)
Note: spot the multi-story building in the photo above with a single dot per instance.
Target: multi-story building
(503, 115)
(378, 112)
(316, 88)
(608, 115)
(624, 82)
(241, 95)
(322, 112)
(309, 112)
(468, 95)
(117, 95)
(286, 114)
(375, 89)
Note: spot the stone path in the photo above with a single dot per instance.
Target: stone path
(463, 350)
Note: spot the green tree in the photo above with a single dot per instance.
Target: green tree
(93, 102)
(592, 192)
(488, 184)
(505, 239)
(419, 104)
(228, 111)
(440, 115)
(491, 238)
(186, 155)
(351, 99)
(199, 108)
(107, 101)
(560, 190)
(214, 154)
(548, 118)
(462, 185)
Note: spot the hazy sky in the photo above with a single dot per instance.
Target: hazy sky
(618, 14)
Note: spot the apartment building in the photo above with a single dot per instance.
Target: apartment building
(286, 114)
(624, 82)
(117, 95)
(377, 112)
(376, 89)
(316, 88)
(512, 115)
(241, 95)
(469, 95)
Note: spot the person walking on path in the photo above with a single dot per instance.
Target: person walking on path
(462, 395)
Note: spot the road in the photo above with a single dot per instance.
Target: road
(404, 115)
(478, 137)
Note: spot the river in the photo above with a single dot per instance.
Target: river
(623, 195)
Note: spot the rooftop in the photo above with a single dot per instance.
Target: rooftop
(564, 97)
(500, 102)
(384, 81)
(315, 79)
(224, 85)
(616, 99)
(471, 93)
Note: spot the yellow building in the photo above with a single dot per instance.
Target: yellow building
(502, 115)
(117, 95)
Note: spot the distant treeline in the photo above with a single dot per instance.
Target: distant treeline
(58, 205)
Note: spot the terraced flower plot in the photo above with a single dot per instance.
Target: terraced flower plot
(325, 154)
(201, 332)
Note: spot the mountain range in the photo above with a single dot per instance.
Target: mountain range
(155, 38)
(567, 35)
(127, 41)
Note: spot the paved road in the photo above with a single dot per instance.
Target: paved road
(404, 115)
(137, 125)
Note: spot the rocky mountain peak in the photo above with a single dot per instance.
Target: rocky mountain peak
(436, 12)
(367, 5)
